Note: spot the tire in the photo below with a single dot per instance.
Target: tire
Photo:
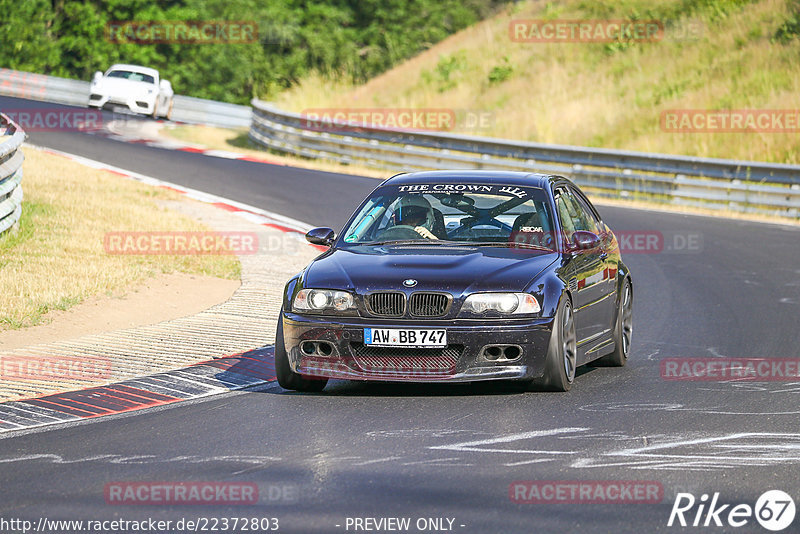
(562, 353)
(287, 378)
(623, 330)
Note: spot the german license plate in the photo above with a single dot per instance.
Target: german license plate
(401, 337)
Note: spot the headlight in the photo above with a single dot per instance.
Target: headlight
(504, 303)
(320, 300)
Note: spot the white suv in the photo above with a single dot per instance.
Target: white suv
(138, 88)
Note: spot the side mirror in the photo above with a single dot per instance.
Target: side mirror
(584, 240)
(321, 236)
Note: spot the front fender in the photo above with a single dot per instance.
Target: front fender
(549, 290)
(288, 292)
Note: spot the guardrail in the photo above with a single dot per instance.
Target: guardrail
(199, 110)
(743, 186)
(11, 139)
(76, 93)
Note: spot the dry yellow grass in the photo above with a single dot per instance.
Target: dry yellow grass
(587, 94)
(56, 259)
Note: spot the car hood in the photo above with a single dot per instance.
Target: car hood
(458, 270)
(122, 86)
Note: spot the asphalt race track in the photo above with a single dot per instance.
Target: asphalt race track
(437, 451)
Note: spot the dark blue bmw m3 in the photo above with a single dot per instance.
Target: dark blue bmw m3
(459, 276)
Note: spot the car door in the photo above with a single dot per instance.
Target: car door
(587, 274)
(609, 255)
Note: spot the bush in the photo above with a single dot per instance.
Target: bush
(790, 29)
(501, 73)
(357, 39)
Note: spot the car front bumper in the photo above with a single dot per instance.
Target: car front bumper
(345, 356)
(138, 104)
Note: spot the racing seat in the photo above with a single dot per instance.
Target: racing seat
(439, 229)
(528, 228)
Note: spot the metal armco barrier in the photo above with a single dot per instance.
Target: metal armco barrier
(742, 186)
(11, 139)
(198, 110)
(76, 93)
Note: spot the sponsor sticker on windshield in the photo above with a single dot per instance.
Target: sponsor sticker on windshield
(518, 192)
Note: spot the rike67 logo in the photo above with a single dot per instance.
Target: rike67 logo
(774, 510)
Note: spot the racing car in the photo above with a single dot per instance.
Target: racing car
(457, 276)
(140, 89)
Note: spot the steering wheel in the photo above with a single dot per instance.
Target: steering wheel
(475, 222)
(399, 232)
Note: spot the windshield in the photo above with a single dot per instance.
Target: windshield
(132, 76)
(485, 214)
